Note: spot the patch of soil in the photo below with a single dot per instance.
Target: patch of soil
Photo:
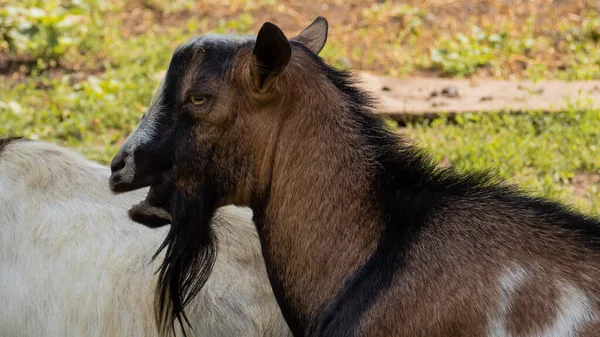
(374, 43)
(10, 65)
(18, 68)
(583, 181)
(355, 32)
(414, 97)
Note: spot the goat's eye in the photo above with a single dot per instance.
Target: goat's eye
(198, 100)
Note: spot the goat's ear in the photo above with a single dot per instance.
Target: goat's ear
(272, 53)
(314, 36)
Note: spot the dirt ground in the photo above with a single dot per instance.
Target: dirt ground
(375, 42)
(406, 99)
(374, 34)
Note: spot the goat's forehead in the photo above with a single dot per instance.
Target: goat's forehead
(206, 55)
(212, 50)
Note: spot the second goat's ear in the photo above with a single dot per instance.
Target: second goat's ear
(271, 55)
(314, 36)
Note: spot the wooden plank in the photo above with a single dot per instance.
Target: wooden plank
(404, 99)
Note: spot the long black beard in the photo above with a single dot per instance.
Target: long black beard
(189, 259)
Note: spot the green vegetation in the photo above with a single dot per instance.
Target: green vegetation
(44, 33)
(572, 52)
(464, 55)
(81, 74)
(581, 45)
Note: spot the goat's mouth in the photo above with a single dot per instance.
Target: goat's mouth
(119, 185)
(154, 210)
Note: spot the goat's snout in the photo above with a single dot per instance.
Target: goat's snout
(131, 170)
(119, 177)
(118, 162)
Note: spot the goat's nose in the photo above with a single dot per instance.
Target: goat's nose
(118, 162)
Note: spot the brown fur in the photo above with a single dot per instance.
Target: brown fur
(591, 330)
(288, 163)
(533, 311)
(450, 288)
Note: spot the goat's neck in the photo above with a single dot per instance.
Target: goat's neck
(317, 224)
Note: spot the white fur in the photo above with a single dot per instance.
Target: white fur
(575, 311)
(510, 281)
(574, 308)
(216, 38)
(240, 39)
(73, 264)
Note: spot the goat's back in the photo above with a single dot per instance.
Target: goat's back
(489, 265)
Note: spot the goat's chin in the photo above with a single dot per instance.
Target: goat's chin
(153, 211)
(149, 216)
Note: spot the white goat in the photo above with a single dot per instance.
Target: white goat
(73, 264)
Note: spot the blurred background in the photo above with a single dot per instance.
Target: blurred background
(81, 73)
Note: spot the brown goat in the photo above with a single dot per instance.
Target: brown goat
(361, 234)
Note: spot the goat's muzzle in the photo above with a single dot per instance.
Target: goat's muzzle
(127, 174)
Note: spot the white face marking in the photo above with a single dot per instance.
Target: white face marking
(227, 38)
(141, 135)
(128, 172)
(215, 38)
(510, 282)
(575, 311)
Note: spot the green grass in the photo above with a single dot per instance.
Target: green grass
(510, 49)
(490, 47)
(94, 108)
